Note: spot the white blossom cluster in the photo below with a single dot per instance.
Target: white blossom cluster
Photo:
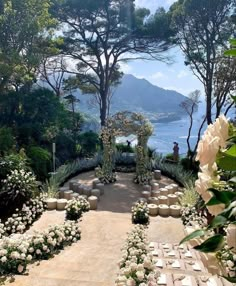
(22, 219)
(17, 250)
(190, 217)
(76, 207)
(140, 213)
(213, 139)
(19, 181)
(228, 259)
(137, 266)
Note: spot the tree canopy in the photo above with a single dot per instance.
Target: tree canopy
(99, 35)
(202, 29)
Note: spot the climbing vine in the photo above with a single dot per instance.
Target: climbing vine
(124, 124)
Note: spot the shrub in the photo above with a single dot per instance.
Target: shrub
(7, 140)
(22, 219)
(12, 162)
(190, 197)
(40, 161)
(76, 207)
(124, 148)
(169, 156)
(89, 142)
(20, 182)
(188, 164)
(173, 171)
(140, 213)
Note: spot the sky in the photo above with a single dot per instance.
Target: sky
(175, 76)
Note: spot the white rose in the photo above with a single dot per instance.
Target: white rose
(3, 259)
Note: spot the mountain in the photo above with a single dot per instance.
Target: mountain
(139, 95)
(139, 92)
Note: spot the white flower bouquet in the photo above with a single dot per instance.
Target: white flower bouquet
(140, 213)
(76, 207)
(136, 265)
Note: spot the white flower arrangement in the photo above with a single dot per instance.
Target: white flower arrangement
(19, 181)
(18, 250)
(214, 139)
(140, 213)
(228, 260)
(76, 207)
(136, 265)
(123, 124)
(190, 217)
(22, 219)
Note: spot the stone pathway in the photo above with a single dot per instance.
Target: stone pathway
(93, 260)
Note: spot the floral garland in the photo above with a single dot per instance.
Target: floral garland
(22, 219)
(140, 213)
(136, 265)
(125, 123)
(214, 138)
(76, 207)
(17, 251)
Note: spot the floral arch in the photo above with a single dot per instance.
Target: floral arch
(124, 124)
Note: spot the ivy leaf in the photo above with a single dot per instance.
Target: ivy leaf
(218, 221)
(226, 162)
(231, 152)
(196, 233)
(234, 98)
(230, 279)
(212, 244)
(232, 180)
(230, 52)
(224, 197)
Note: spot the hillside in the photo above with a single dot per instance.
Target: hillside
(139, 95)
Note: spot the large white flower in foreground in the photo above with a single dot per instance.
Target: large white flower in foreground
(214, 138)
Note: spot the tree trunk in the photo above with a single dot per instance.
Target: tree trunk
(208, 104)
(103, 112)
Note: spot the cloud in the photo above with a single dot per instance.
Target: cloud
(157, 75)
(182, 74)
(154, 4)
(126, 68)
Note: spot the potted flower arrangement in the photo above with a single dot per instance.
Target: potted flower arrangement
(76, 207)
(140, 213)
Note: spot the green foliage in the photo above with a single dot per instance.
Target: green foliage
(12, 162)
(173, 171)
(66, 171)
(190, 197)
(40, 161)
(89, 142)
(188, 163)
(124, 148)
(22, 24)
(7, 140)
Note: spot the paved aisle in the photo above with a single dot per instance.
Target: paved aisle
(92, 261)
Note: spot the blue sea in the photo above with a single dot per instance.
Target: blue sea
(177, 131)
(166, 133)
